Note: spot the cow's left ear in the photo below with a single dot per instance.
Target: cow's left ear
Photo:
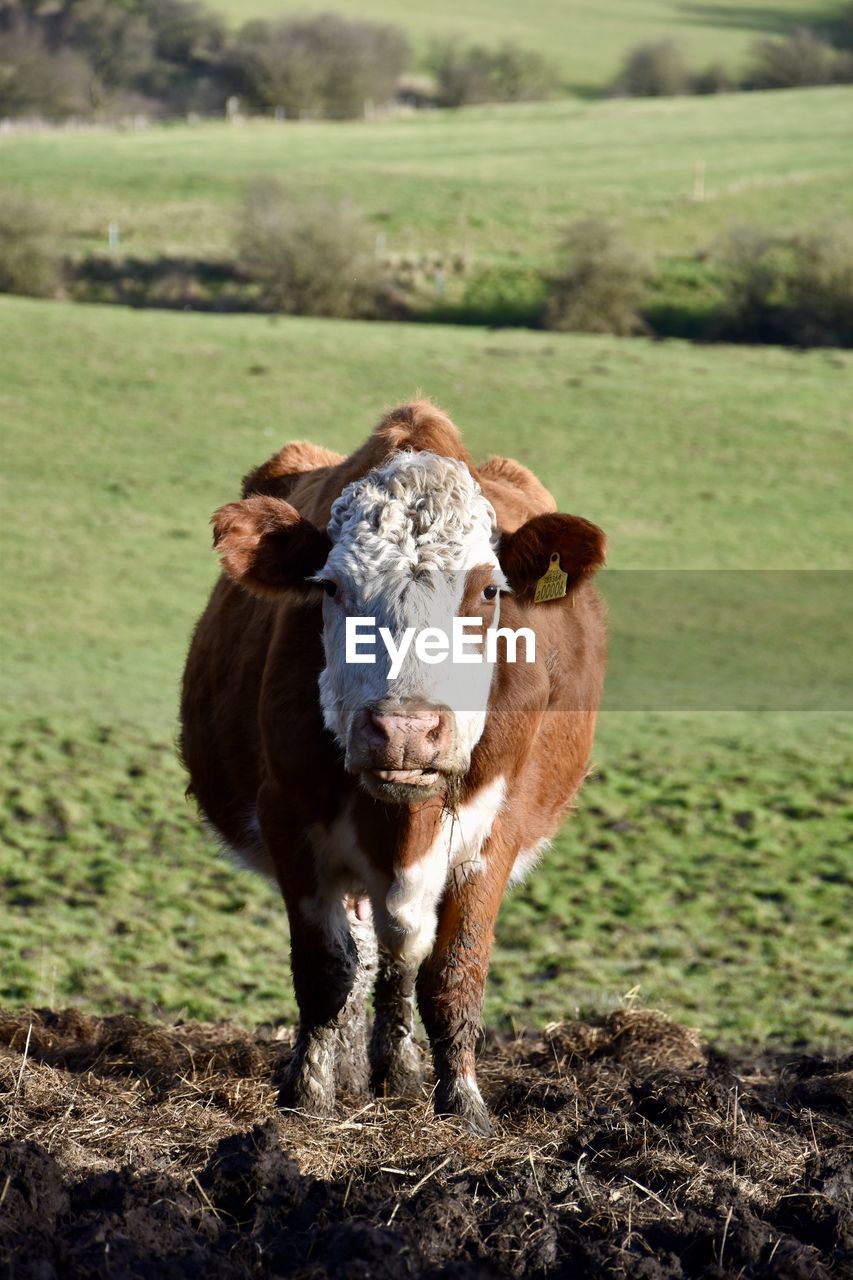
(266, 546)
(525, 555)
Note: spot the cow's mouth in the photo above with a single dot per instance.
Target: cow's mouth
(407, 777)
(403, 786)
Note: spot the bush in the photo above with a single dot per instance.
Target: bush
(37, 82)
(844, 68)
(114, 38)
(184, 33)
(477, 74)
(187, 70)
(795, 290)
(842, 36)
(714, 79)
(310, 258)
(169, 52)
(654, 71)
(29, 264)
(600, 285)
(792, 62)
(324, 66)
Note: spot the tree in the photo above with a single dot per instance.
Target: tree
(318, 66)
(599, 285)
(306, 257)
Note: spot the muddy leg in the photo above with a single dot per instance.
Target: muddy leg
(324, 973)
(331, 985)
(395, 1059)
(352, 1064)
(450, 994)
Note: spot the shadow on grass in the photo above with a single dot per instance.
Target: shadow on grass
(169, 283)
(686, 298)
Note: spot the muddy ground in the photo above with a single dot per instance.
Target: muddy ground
(623, 1149)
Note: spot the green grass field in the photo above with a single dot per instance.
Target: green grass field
(708, 865)
(586, 39)
(497, 182)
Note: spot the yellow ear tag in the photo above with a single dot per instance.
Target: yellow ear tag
(552, 584)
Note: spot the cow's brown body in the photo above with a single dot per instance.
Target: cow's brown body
(269, 777)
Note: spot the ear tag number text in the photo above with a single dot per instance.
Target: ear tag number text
(552, 584)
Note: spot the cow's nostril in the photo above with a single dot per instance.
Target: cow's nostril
(380, 725)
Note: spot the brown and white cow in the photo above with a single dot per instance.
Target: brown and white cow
(392, 813)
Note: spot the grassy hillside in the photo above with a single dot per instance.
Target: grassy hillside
(496, 181)
(586, 38)
(707, 864)
(126, 430)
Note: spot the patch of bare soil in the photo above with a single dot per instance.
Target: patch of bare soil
(623, 1149)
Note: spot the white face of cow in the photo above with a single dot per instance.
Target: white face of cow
(413, 546)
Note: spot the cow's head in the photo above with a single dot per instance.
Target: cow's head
(410, 546)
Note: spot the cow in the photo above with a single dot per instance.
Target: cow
(392, 813)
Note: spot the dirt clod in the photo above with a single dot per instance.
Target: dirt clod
(622, 1149)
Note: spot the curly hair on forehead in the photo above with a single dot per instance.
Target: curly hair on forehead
(417, 508)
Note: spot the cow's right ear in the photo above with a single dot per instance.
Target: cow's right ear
(265, 545)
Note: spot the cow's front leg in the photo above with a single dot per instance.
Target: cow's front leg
(395, 1059)
(333, 962)
(450, 992)
(352, 1063)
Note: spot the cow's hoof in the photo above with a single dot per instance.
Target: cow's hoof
(353, 1077)
(313, 1101)
(308, 1085)
(297, 1095)
(401, 1074)
(464, 1100)
(476, 1120)
(351, 1061)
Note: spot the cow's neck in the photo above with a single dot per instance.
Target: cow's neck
(397, 835)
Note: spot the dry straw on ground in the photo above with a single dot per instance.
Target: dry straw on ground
(622, 1149)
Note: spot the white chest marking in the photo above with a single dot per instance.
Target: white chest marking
(404, 909)
(407, 919)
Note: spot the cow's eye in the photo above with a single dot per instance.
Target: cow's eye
(330, 588)
(490, 592)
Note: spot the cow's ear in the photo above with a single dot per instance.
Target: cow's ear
(525, 555)
(266, 546)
